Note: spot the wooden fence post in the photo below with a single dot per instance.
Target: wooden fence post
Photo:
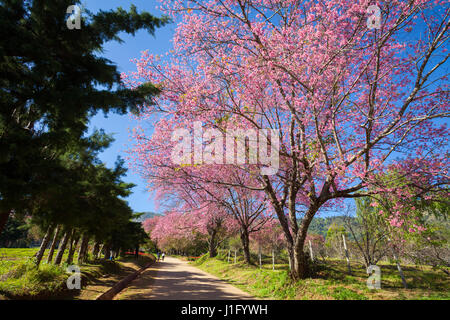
(260, 262)
(311, 250)
(273, 260)
(346, 255)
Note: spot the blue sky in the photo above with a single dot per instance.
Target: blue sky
(121, 54)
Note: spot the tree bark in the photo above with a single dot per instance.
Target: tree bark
(96, 249)
(4, 219)
(53, 245)
(83, 248)
(246, 245)
(295, 235)
(44, 244)
(100, 249)
(300, 263)
(72, 247)
(107, 249)
(212, 244)
(399, 268)
(62, 247)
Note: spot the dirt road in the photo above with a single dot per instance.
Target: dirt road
(174, 279)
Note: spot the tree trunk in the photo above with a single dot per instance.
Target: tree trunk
(62, 247)
(300, 265)
(212, 244)
(72, 248)
(86, 249)
(83, 248)
(107, 249)
(295, 234)
(53, 245)
(400, 271)
(246, 245)
(96, 249)
(136, 252)
(4, 219)
(229, 253)
(44, 244)
(299, 259)
(100, 249)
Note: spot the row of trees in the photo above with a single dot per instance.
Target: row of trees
(365, 236)
(359, 112)
(88, 204)
(195, 233)
(53, 80)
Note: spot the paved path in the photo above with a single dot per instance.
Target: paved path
(174, 279)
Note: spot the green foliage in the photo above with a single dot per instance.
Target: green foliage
(15, 233)
(53, 81)
(235, 243)
(334, 235)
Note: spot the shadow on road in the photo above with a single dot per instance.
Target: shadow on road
(174, 279)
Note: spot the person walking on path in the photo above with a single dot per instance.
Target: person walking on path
(162, 256)
(157, 256)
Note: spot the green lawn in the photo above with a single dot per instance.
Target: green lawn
(20, 279)
(331, 281)
(23, 254)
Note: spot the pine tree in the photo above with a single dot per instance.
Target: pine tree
(52, 80)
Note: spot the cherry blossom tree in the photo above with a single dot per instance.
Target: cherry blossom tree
(209, 223)
(349, 100)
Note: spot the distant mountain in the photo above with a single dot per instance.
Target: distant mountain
(146, 215)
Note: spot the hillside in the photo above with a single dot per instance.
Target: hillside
(320, 225)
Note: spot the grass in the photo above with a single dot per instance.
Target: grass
(20, 279)
(331, 281)
(262, 283)
(24, 280)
